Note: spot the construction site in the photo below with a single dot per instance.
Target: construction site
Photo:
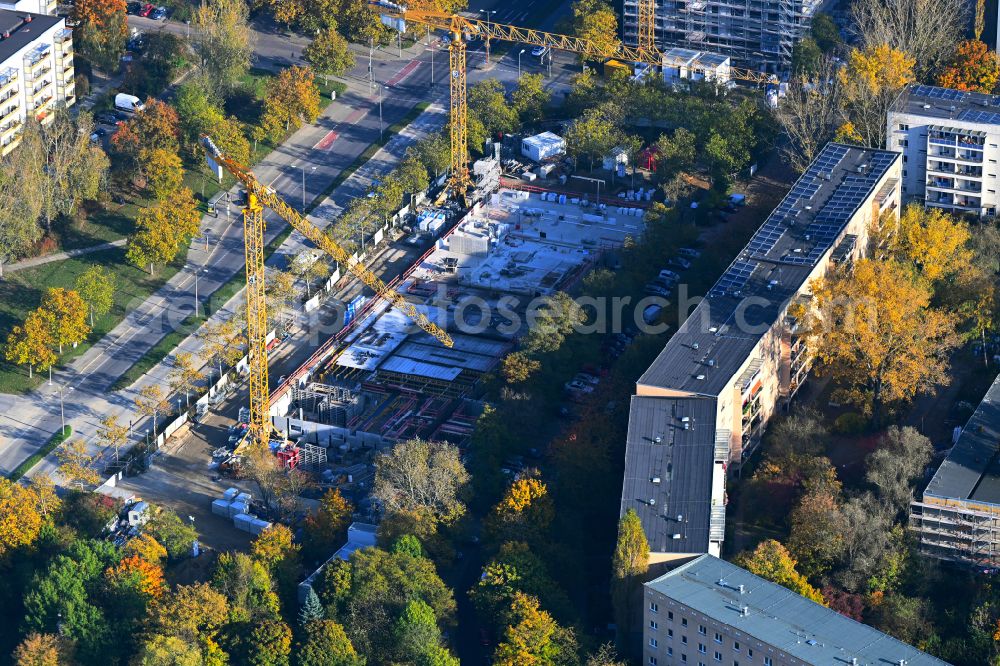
(382, 379)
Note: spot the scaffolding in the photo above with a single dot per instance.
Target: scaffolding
(759, 34)
(957, 533)
(326, 403)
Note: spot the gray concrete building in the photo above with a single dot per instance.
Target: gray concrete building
(709, 611)
(758, 34)
(701, 407)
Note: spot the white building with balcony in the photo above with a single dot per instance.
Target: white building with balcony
(31, 6)
(949, 140)
(36, 71)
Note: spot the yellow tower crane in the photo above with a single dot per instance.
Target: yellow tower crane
(259, 197)
(458, 27)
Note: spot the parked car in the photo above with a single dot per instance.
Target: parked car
(147, 9)
(689, 252)
(159, 14)
(670, 275)
(540, 51)
(587, 378)
(666, 283)
(98, 134)
(133, 8)
(657, 290)
(651, 313)
(680, 262)
(106, 118)
(577, 386)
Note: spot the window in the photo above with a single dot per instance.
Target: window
(904, 173)
(736, 646)
(903, 127)
(653, 625)
(684, 658)
(904, 159)
(684, 640)
(670, 633)
(702, 649)
(670, 652)
(652, 661)
(653, 643)
(654, 607)
(670, 615)
(768, 662)
(750, 652)
(718, 637)
(684, 622)
(702, 630)
(718, 656)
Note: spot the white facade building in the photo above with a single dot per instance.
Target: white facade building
(36, 71)
(949, 140)
(30, 6)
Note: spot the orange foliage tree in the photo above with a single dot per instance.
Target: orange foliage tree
(973, 67)
(102, 31)
(136, 573)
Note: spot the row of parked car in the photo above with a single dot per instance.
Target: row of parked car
(146, 10)
(663, 284)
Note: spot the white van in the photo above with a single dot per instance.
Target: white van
(128, 103)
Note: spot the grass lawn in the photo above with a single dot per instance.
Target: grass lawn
(21, 292)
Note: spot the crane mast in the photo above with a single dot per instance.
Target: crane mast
(260, 197)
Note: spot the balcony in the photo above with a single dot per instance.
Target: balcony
(40, 90)
(9, 128)
(8, 113)
(8, 79)
(67, 74)
(9, 144)
(951, 184)
(34, 62)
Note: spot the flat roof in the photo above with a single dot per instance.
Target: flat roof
(788, 621)
(972, 469)
(22, 33)
(715, 341)
(948, 104)
(669, 482)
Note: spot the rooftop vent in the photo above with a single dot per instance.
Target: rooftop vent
(700, 378)
(685, 419)
(744, 611)
(655, 479)
(742, 588)
(695, 345)
(950, 108)
(652, 501)
(854, 661)
(927, 106)
(680, 517)
(711, 362)
(811, 641)
(675, 535)
(657, 440)
(721, 582)
(713, 329)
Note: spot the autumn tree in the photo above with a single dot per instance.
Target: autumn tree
(163, 172)
(816, 538)
(592, 135)
(605, 656)
(435, 153)
(595, 20)
(32, 343)
(184, 376)
(870, 82)
(524, 513)
(76, 464)
(150, 402)
(43, 650)
(247, 585)
(810, 113)
(96, 287)
(630, 563)
(533, 637)
(421, 481)
(925, 30)
(224, 341)
(326, 528)
(163, 229)
(518, 367)
(329, 54)
(68, 316)
(291, 99)
(101, 32)
(174, 533)
(275, 549)
(156, 127)
(772, 561)
(516, 568)
(223, 42)
(20, 207)
(933, 241)
(189, 619)
(20, 518)
(488, 105)
(146, 548)
(111, 434)
(138, 575)
(326, 644)
(874, 331)
(973, 67)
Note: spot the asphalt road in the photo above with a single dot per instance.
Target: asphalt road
(324, 149)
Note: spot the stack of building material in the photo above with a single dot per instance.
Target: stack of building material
(220, 507)
(243, 521)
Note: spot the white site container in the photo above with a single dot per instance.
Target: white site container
(220, 507)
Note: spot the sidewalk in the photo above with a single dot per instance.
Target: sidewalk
(59, 256)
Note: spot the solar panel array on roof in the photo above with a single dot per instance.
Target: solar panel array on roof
(933, 92)
(974, 116)
(735, 278)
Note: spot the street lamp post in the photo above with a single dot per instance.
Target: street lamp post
(432, 63)
(62, 407)
(178, 406)
(488, 12)
(381, 128)
(197, 272)
(303, 167)
(519, 54)
(371, 72)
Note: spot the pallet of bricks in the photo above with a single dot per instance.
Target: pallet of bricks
(236, 505)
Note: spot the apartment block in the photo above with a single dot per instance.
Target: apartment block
(958, 517)
(31, 6)
(709, 611)
(36, 71)
(759, 34)
(701, 408)
(950, 141)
